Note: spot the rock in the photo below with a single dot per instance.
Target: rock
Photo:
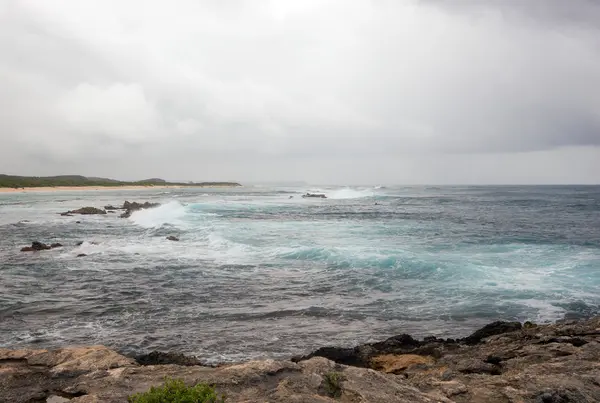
(551, 365)
(492, 329)
(475, 366)
(160, 358)
(78, 243)
(96, 374)
(88, 211)
(130, 207)
(396, 364)
(84, 211)
(314, 195)
(81, 255)
(56, 245)
(88, 359)
(77, 222)
(110, 207)
(35, 247)
(172, 238)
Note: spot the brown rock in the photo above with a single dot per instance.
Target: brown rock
(395, 364)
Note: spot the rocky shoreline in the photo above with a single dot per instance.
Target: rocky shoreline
(502, 362)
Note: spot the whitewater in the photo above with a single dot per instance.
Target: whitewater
(261, 272)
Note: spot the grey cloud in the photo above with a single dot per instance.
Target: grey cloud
(253, 88)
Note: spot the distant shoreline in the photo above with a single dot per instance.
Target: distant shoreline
(95, 188)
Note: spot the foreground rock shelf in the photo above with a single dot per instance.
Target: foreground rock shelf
(503, 362)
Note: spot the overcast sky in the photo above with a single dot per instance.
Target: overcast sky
(341, 91)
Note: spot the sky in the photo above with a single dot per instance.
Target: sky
(327, 92)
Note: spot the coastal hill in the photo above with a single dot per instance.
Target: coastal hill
(12, 181)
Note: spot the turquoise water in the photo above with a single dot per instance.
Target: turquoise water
(260, 274)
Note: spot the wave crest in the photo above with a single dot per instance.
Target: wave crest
(169, 213)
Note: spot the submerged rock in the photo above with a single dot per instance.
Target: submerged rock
(172, 238)
(82, 255)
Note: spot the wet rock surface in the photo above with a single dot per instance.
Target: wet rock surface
(130, 207)
(37, 246)
(545, 363)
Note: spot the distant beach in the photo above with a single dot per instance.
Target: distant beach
(94, 188)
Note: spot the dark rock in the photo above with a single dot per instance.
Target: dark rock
(78, 243)
(110, 207)
(77, 222)
(172, 238)
(35, 246)
(88, 211)
(66, 214)
(161, 358)
(314, 195)
(56, 245)
(346, 356)
(474, 366)
(81, 255)
(494, 360)
(492, 329)
(130, 207)
(529, 325)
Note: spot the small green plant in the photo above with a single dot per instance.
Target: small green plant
(175, 391)
(331, 383)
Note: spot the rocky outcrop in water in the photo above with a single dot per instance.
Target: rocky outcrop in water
(172, 238)
(130, 207)
(314, 195)
(503, 362)
(38, 246)
(84, 211)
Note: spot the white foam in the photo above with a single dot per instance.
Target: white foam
(170, 213)
(349, 193)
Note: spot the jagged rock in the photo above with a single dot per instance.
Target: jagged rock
(111, 207)
(130, 207)
(172, 238)
(161, 358)
(35, 247)
(533, 365)
(56, 245)
(396, 364)
(81, 255)
(491, 330)
(103, 376)
(84, 211)
(314, 195)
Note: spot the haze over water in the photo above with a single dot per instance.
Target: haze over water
(259, 274)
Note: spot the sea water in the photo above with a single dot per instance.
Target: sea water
(262, 272)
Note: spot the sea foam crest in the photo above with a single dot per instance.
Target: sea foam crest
(349, 193)
(169, 213)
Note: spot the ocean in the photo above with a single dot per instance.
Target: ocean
(260, 272)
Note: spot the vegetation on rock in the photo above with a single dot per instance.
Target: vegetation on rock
(175, 391)
(332, 383)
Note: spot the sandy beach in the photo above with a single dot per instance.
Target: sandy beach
(95, 188)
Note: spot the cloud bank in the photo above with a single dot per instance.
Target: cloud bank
(340, 91)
